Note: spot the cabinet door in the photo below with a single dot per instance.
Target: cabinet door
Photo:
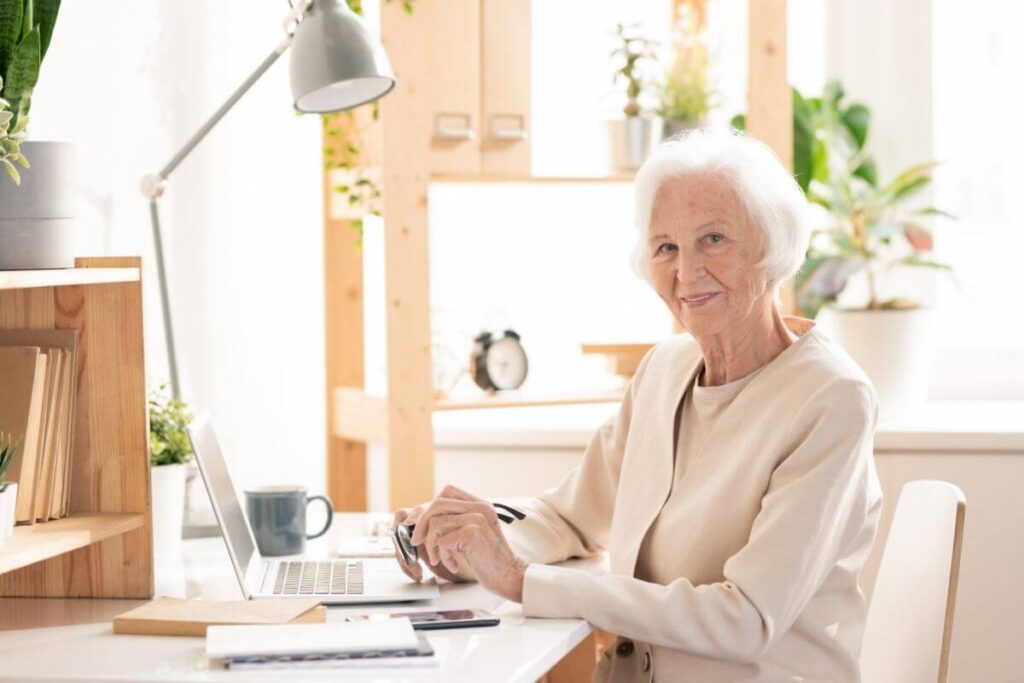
(455, 85)
(506, 87)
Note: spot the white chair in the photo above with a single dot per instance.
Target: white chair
(910, 620)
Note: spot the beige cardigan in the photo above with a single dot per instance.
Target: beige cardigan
(781, 511)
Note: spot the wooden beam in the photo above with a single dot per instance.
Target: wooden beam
(343, 329)
(769, 102)
(405, 114)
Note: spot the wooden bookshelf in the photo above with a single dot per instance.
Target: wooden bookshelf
(31, 544)
(619, 178)
(103, 549)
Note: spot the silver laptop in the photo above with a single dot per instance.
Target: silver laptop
(331, 581)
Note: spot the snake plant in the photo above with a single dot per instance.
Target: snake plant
(26, 27)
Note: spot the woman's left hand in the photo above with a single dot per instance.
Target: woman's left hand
(460, 530)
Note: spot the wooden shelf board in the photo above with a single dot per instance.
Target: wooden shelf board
(357, 416)
(60, 277)
(526, 400)
(491, 178)
(31, 544)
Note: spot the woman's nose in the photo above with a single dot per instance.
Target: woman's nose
(689, 268)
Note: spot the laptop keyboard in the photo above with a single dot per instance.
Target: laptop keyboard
(310, 577)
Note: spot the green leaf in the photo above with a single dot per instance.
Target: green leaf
(46, 17)
(21, 160)
(932, 211)
(341, 188)
(11, 171)
(855, 120)
(5, 117)
(23, 72)
(911, 188)
(20, 125)
(803, 141)
(28, 20)
(908, 177)
(10, 29)
(868, 172)
(739, 122)
(9, 147)
(919, 262)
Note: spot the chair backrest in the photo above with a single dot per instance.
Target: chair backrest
(910, 620)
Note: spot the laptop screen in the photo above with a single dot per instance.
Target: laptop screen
(237, 534)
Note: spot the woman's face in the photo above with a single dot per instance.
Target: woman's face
(703, 253)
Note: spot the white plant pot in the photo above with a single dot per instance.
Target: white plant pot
(631, 140)
(8, 499)
(168, 506)
(895, 350)
(37, 218)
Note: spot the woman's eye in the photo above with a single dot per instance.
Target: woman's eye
(662, 248)
(714, 238)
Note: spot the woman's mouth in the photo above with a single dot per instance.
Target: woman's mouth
(699, 299)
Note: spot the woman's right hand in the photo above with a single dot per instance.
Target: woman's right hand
(414, 570)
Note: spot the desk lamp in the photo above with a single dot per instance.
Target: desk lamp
(335, 65)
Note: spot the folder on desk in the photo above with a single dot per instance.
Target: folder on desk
(176, 617)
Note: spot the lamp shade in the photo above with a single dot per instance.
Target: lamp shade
(336, 63)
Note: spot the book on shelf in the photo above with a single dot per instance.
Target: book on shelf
(38, 371)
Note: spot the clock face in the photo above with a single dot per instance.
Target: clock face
(506, 363)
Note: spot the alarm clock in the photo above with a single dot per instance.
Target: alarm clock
(498, 362)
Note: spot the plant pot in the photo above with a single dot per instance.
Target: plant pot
(168, 505)
(37, 218)
(673, 128)
(893, 347)
(631, 140)
(8, 498)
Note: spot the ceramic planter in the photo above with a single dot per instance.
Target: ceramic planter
(631, 140)
(893, 347)
(7, 499)
(168, 505)
(37, 218)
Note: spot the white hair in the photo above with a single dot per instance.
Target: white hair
(773, 201)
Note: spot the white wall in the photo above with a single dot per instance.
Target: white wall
(130, 82)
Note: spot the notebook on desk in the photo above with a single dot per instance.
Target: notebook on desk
(330, 581)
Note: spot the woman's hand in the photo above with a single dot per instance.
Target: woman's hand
(414, 570)
(462, 534)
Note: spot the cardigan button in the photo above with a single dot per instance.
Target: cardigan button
(624, 649)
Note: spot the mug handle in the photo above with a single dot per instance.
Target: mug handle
(330, 515)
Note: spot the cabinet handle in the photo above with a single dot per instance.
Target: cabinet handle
(449, 132)
(515, 132)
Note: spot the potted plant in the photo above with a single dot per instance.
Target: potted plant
(686, 94)
(169, 450)
(633, 136)
(37, 183)
(8, 490)
(870, 235)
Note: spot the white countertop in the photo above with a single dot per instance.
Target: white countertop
(64, 639)
(973, 426)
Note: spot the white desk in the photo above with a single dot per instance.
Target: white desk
(58, 640)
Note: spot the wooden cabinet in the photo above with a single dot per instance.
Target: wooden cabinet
(479, 87)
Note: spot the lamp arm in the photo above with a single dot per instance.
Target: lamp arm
(153, 184)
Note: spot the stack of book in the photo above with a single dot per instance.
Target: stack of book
(367, 644)
(38, 371)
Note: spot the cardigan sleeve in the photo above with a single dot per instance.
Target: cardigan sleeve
(819, 500)
(573, 519)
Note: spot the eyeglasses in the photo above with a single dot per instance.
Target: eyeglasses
(401, 534)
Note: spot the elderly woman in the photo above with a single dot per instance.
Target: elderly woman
(735, 490)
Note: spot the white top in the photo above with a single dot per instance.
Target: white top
(702, 407)
(759, 543)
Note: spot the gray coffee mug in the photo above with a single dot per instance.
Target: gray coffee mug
(277, 515)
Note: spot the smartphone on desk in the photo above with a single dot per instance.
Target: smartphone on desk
(440, 619)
